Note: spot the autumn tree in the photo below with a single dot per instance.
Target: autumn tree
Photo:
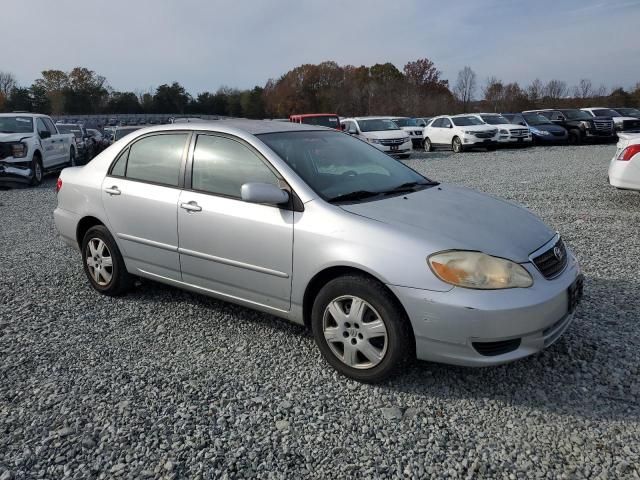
(465, 87)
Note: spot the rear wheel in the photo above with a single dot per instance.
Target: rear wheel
(456, 145)
(360, 328)
(428, 147)
(37, 172)
(103, 264)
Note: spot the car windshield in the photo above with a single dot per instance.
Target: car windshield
(494, 119)
(576, 114)
(406, 122)
(70, 129)
(16, 125)
(377, 125)
(534, 119)
(604, 112)
(322, 121)
(631, 112)
(466, 121)
(341, 168)
(123, 132)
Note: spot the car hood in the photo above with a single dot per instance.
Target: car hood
(385, 134)
(452, 217)
(548, 127)
(13, 137)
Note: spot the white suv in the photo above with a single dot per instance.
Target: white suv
(380, 132)
(459, 133)
(508, 132)
(413, 127)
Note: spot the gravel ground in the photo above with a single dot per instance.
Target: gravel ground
(167, 384)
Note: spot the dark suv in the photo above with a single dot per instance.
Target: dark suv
(581, 125)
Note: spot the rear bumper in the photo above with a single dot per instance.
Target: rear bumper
(455, 326)
(625, 174)
(67, 224)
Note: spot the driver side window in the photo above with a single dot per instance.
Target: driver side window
(41, 127)
(446, 123)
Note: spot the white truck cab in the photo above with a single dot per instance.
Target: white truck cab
(31, 145)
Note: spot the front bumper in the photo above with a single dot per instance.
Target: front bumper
(472, 141)
(551, 138)
(448, 324)
(15, 172)
(600, 134)
(402, 148)
(508, 139)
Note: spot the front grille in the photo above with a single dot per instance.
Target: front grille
(519, 132)
(603, 124)
(417, 132)
(631, 125)
(491, 349)
(552, 262)
(391, 141)
(486, 134)
(5, 150)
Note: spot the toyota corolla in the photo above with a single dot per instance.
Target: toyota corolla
(320, 228)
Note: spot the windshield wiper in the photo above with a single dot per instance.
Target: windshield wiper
(357, 195)
(408, 187)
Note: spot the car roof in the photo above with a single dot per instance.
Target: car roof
(305, 115)
(252, 127)
(376, 117)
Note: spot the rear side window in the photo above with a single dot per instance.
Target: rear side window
(120, 167)
(222, 165)
(156, 159)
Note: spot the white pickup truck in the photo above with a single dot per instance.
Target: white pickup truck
(31, 145)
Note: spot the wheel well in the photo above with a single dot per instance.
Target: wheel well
(37, 153)
(83, 225)
(325, 276)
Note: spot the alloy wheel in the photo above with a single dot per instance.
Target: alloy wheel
(457, 145)
(355, 332)
(99, 261)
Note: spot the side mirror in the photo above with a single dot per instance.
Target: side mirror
(263, 193)
(44, 134)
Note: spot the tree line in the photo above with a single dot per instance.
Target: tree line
(419, 89)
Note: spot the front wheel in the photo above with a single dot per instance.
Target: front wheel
(360, 329)
(103, 264)
(456, 145)
(428, 147)
(37, 172)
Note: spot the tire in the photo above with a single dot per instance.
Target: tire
(342, 337)
(38, 171)
(405, 155)
(109, 277)
(427, 145)
(492, 148)
(456, 145)
(575, 138)
(72, 157)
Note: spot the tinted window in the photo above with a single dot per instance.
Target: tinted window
(445, 122)
(156, 159)
(377, 125)
(41, 126)
(50, 126)
(222, 166)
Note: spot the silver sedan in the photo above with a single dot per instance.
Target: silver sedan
(312, 225)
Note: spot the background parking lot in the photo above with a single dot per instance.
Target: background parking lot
(163, 382)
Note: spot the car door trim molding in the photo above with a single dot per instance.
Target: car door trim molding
(233, 263)
(144, 241)
(213, 292)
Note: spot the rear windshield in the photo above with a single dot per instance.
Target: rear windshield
(322, 121)
(16, 125)
(70, 129)
(466, 121)
(377, 125)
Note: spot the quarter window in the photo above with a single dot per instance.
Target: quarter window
(221, 166)
(156, 159)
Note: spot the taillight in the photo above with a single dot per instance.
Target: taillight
(59, 185)
(629, 152)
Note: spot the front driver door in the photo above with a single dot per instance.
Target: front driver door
(140, 195)
(238, 250)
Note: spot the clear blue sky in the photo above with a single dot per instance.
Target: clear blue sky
(204, 44)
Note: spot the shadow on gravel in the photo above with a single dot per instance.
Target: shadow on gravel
(591, 371)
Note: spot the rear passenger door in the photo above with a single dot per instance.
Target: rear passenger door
(237, 250)
(140, 195)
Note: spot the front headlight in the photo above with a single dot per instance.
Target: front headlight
(19, 150)
(469, 132)
(478, 270)
(373, 140)
(406, 139)
(586, 125)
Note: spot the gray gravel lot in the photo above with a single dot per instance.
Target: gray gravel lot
(163, 383)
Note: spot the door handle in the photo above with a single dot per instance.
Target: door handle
(113, 191)
(191, 206)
